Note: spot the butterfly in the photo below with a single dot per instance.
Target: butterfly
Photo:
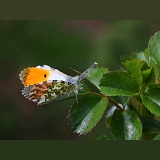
(43, 84)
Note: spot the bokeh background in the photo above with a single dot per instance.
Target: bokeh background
(59, 44)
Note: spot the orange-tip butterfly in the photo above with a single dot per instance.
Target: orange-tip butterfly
(44, 84)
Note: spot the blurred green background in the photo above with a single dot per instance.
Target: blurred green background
(59, 44)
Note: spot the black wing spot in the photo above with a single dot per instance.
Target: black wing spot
(45, 76)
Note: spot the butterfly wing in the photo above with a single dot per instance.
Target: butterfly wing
(44, 84)
(40, 74)
(48, 91)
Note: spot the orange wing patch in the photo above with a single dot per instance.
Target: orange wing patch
(32, 76)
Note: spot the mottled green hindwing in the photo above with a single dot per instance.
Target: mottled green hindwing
(48, 91)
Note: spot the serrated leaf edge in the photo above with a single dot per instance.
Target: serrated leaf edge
(97, 121)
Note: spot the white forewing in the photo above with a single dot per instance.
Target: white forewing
(44, 67)
(54, 74)
(57, 75)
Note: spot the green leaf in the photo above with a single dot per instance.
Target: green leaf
(102, 137)
(136, 67)
(86, 113)
(125, 58)
(155, 86)
(150, 125)
(118, 83)
(148, 76)
(156, 72)
(151, 100)
(152, 78)
(126, 125)
(95, 75)
(105, 137)
(157, 137)
(109, 112)
(144, 56)
(154, 47)
(148, 136)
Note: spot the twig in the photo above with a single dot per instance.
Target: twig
(115, 103)
(110, 100)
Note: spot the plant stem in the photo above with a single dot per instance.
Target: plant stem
(115, 103)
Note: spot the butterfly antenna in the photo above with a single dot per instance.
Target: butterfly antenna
(82, 76)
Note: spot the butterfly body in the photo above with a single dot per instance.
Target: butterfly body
(44, 84)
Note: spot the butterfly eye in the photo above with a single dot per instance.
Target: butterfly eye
(45, 76)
